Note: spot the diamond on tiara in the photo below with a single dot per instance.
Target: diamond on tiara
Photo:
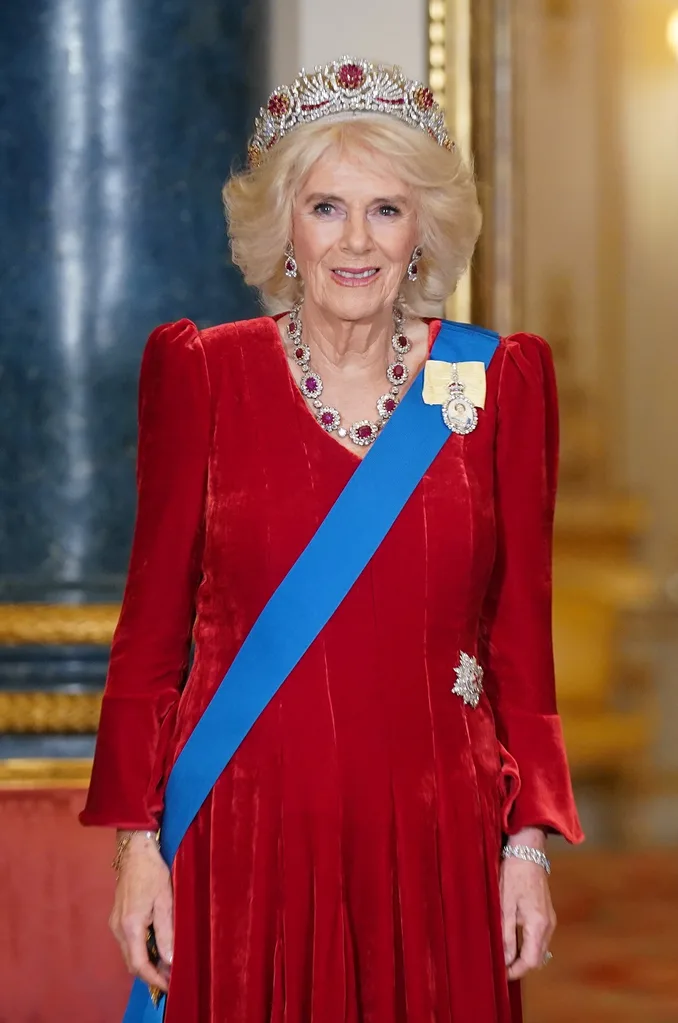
(346, 85)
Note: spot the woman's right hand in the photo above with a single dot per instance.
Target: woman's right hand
(143, 896)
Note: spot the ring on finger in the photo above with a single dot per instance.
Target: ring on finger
(548, 956)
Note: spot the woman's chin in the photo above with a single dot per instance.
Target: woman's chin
(357, 303)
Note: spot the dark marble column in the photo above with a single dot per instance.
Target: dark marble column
(119, 121)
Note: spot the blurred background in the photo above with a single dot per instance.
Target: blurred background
(119, 121)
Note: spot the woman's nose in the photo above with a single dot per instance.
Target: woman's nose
(357, 235)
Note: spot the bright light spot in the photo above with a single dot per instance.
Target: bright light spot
(672, 33)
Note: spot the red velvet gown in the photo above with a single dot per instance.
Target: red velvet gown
(345, 867)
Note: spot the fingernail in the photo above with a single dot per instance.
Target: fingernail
(170, 957)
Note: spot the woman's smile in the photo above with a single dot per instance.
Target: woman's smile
(348, 277)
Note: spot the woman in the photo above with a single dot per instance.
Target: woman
(346, 864)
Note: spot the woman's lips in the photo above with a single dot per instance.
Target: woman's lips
(355, 277)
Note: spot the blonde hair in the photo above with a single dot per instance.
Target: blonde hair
(259, 202)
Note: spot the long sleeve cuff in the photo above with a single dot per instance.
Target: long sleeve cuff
(129, 771)
(539, 785)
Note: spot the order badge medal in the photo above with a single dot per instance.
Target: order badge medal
(459, 413)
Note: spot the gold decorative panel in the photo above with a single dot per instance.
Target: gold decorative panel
(450, 80)
(45, 713)
(57, 623)
(45, 773)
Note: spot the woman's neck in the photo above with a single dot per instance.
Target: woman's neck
(346, 342)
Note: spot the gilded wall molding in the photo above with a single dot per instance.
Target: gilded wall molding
(449, 62)
(45, 773)
(41, 624)
(45, 713)
(472, 73)
(437, 50)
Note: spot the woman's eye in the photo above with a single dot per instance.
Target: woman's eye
(324, 208)
(389, 211)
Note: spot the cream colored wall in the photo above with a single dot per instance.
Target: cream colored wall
(650, 423)
(560, 172)
(597, 131)
(308, 32)
(650, 170)
(596, 247)
(569, 269)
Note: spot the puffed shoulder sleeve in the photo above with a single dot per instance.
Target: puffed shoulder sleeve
(151, 645)
(516, 632)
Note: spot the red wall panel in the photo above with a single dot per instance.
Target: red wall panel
(58, 960)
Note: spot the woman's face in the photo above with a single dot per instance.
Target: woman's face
(354, 229)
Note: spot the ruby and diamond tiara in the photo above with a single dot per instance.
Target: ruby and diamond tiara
(344, 86)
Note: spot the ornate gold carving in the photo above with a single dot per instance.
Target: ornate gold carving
(57, 623)
(45, 773)
(49, 713)
(449, 59)
(437, 53)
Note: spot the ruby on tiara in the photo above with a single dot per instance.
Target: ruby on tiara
(345, 86)
(351, 76)
(423, 98)
(278, 104)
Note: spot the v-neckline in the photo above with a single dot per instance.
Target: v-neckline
(433, 329)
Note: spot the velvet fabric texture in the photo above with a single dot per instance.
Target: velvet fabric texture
(345, 868)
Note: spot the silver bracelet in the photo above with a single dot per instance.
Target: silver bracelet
(526, 852)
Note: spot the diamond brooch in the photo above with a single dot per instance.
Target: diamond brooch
(469, 684)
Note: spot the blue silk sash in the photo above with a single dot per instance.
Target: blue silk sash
(337, 553)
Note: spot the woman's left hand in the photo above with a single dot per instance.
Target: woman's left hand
(526, 904)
